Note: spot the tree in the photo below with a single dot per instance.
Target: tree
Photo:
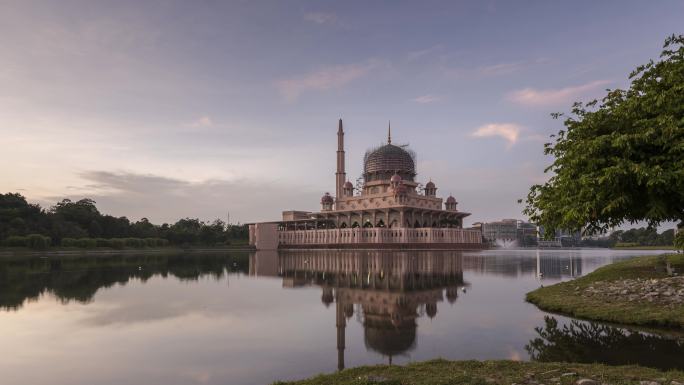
(622, 161)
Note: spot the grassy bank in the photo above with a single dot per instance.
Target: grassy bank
(571, 297)
(491, 372)
(618, 247)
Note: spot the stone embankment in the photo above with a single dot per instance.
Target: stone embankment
(662, 291)
(559, 378)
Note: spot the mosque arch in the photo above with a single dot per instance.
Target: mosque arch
(367, 224)
(380, 223)
(343, 225)
(355, 225)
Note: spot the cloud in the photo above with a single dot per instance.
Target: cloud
(508, 131)
(202, 122)
(320, 17)
(165, 199)
(502, 68)
(426, 99)
(327, 78)
(414, 55)
(535, 97)
(491, 70)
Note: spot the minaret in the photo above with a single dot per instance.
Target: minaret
(340, 175)
(389, 132)
(341, 325)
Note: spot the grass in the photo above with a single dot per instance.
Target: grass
(442, 372)
(564, 298)
(618, 247)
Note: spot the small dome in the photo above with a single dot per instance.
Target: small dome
(395, 178)
(430, 185)
(348, 184)
(451, 199)
(327, 199)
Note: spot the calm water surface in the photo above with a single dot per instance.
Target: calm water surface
(255, 318)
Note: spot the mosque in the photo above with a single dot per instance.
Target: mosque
(388, 208)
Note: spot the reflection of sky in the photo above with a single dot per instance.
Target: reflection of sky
(244, 330)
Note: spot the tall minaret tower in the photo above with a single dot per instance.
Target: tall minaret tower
(340, 175)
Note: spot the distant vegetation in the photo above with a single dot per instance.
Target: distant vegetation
(80, 224)
(643, 236)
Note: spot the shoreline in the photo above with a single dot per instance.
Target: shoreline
(642, 291)
(504, 372)
(104, 251)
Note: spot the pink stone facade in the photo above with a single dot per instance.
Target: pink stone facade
(378, 236)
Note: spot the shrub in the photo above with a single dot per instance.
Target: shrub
(38, 242)
(134, 242)
(679, 240)
(627, 244)
(68, 242)
(103, 242)
(117, 243)
(86, 243)
(16, 241)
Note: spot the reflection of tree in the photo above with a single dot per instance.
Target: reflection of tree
(79, 278)
(590, 342)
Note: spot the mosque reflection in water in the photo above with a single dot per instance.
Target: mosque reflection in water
(387, 291)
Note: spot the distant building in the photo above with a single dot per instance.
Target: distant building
(518, 233)
(509, 233)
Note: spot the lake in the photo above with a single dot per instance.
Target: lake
(253, 318)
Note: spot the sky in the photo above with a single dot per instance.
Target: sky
(209, 109)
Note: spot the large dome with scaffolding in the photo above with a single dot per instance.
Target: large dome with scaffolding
(382, 162)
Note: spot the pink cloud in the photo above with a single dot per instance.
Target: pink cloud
(508, 131)
(320, 17)
(426, 99)
(535, 97)
(327, 78)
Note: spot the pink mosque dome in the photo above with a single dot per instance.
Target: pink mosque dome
(451, 199)
(327, 199)
(430, 184)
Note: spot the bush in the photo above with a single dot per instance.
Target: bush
(155, 242)
(16, 241)
(86, 243)
(68, 242)
(679, 240)
(117, 243)
(627, 244)
(38, 242)
(102, 242)
(134, 242)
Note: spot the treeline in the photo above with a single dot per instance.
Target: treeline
(80, 224)
(642, 236)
